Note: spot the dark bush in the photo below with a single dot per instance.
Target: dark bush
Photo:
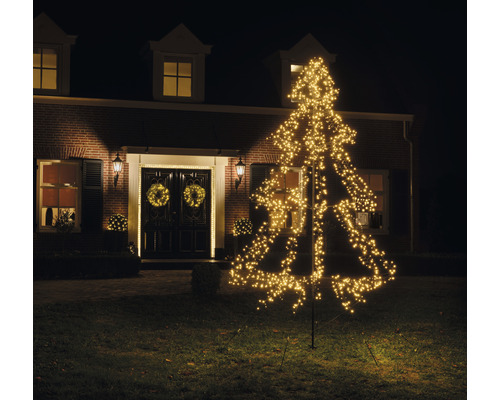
(205, 279)
(69, 266)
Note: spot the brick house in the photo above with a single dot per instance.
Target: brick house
(174, 138)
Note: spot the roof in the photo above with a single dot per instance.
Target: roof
(180, 40)
(236, 71)
(45, 30)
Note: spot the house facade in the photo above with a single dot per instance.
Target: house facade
(178, 186)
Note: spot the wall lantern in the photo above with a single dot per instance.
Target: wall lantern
(240, 171)
(117, 167)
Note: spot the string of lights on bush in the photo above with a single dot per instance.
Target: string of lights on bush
(242, 226)
(324, 132)
(117, 223)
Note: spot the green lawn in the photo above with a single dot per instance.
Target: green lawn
(407, 342)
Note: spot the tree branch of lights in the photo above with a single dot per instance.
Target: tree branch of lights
(315, 94)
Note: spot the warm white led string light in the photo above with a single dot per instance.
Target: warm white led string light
(315, 93)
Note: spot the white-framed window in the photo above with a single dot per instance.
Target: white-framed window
(292, 180)
(59, 191)
(45, 68)
(378, 182)
(177, 77)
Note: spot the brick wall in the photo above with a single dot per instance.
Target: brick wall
(63, 132)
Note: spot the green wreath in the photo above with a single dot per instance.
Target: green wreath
(194, 195)
(157, 195)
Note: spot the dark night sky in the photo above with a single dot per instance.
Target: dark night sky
(396, 57)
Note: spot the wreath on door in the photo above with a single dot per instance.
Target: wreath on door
(194, 195)
(157, 195)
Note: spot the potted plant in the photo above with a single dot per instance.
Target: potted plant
(117, 228)
(242, 231)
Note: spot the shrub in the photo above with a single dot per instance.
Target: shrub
(205, 279)
(118, 223)
(70, 266)
(242, 226)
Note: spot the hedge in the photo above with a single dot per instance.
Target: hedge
(71, 266)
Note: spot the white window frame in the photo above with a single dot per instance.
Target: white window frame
(59, 55)
(40, 185)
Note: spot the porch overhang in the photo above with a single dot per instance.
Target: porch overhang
(181, 151)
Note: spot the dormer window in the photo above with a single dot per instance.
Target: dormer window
(44, 68)
(178, 67)
(295, 70)
(177, 77)
(51, 57)
(291, 63)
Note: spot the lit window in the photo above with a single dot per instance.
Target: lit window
(295, 70)
(177, 77)
(378, 183)
(59, 191)
(44, 68)
(289, 181)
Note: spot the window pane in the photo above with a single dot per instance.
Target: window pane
(362, 219)
(280, 223)
(36, 78)
(376, 183)
(279, 197)
(67, 198)
(281, 179)
(169, 86)
(292, 179)
(50, 173)
(49, 79)
(67, 174)
(49, 58)
(48, 216)
(49, 197)
(379, 203)
(184, 87)
(295, 71)
(184, 69)
(366, 178)
(170, 68)
(37, 58)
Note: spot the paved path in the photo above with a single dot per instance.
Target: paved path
(149, 282)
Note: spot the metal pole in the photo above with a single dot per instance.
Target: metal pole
(313, 266)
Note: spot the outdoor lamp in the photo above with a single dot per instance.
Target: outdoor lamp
(240, 171)
(117, 167)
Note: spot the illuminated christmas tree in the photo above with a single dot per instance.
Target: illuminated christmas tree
(313, 129)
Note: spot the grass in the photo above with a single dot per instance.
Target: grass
(407, 342)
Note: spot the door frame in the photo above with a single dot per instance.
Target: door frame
(179, 166)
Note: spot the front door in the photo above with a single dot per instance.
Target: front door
(175, 213)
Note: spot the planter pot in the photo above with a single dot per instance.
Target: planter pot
(115, 241)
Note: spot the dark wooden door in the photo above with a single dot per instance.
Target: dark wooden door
(180, 226)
